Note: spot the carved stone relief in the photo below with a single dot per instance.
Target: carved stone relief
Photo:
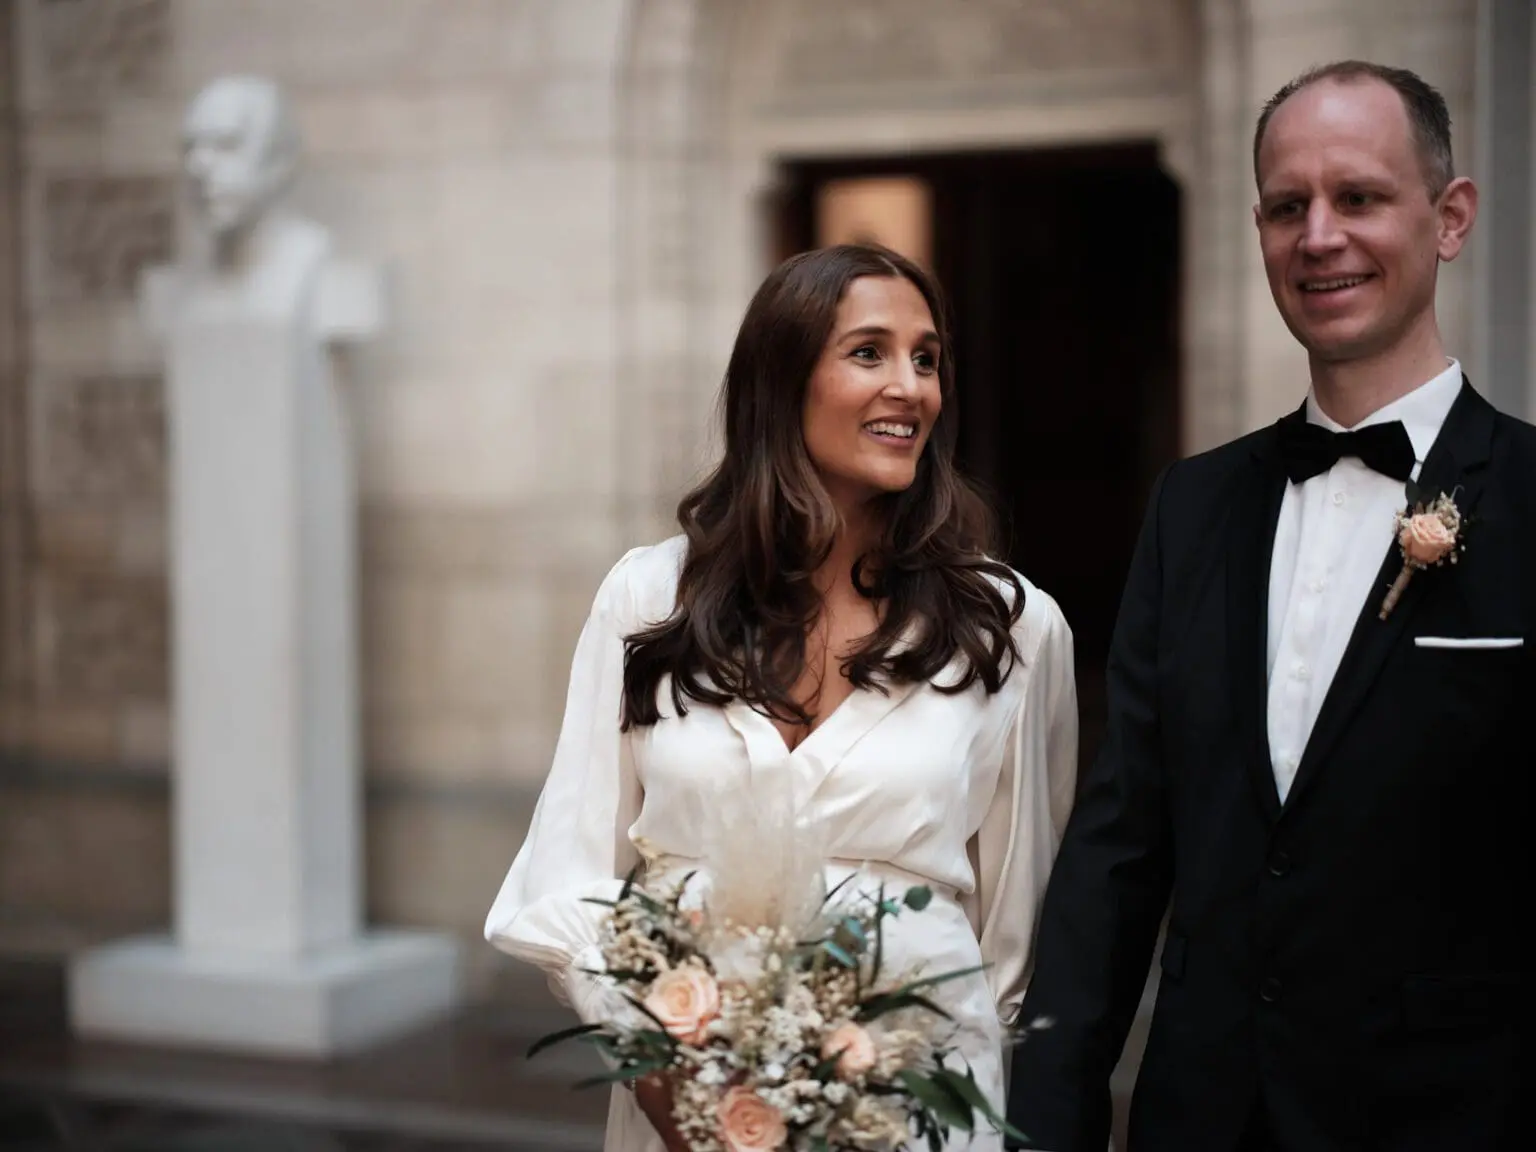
(101, 232)
(879, 49)
(103, 439)
(91, 49)
(103, 636)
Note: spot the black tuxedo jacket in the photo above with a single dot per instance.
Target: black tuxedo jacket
(1356, 961)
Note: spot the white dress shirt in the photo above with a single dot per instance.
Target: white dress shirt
(1333, 532)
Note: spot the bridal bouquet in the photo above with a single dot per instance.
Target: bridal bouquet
(775, 1019)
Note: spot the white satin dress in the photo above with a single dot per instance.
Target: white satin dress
(965, 793)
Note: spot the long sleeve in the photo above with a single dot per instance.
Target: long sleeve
(1017, 842)
(577, 844)
(1107, 892)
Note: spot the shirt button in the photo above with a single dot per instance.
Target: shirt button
(1270, 990)
(1300, 670)
(1338, 499)
(1319, 586)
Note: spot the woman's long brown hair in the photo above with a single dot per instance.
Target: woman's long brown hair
(762, 524)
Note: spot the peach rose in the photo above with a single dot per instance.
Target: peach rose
(685, 1000)
(748, 1123)
(1425, 539)
(853, 1047)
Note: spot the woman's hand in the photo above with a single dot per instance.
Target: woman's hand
(654, 1095)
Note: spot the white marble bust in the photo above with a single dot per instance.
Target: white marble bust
(245, 252)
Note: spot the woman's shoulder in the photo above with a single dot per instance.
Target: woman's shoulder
(1041, 624)
(641, 589)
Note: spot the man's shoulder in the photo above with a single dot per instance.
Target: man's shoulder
(1513, 459)
(1205, 476)
(1516, 436)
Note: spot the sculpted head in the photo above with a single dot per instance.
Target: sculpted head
(240, 150)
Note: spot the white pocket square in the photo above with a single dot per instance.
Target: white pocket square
(1479, 642)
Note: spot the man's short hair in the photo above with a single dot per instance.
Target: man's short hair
(1427, 113)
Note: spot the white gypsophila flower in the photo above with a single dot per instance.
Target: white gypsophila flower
(834, 1093)
(740, 958)
(773, 1071)
(713, 1075)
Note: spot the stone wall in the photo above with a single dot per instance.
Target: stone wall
(15, 613)
(571, 196)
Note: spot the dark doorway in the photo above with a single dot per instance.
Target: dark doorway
(1062, 269)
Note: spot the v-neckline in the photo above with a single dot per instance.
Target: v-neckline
(811, 733)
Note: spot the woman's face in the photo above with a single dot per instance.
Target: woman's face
(873, 396)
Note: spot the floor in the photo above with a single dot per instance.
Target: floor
(458, 1086)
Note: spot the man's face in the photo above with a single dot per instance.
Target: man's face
(1350, 237)
(226, 155)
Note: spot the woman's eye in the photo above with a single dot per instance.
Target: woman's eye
(926, 362)
(868, 352)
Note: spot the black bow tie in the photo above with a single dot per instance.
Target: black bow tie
(1310, 449)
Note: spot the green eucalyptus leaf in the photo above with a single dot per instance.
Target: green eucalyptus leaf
(945, 1105)
(625, 1072)
(935, 981)
(559, 1037)
(968, 1090)
(838, 953)
(878, 1006)
(918, 898)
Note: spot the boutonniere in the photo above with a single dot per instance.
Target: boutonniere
(1428, 535)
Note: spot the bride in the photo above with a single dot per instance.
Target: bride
(830, 618)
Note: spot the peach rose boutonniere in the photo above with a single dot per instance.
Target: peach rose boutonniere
(1428, 535)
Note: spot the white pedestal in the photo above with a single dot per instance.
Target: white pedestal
(268, 954)
(335, 1001)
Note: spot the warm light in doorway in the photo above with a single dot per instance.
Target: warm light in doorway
(896, 211)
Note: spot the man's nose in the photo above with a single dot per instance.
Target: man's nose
(1322, 233)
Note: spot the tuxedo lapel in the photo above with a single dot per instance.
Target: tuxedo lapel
(1248, 561)
(1456, 466)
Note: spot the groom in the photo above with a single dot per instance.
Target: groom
(1335, 792)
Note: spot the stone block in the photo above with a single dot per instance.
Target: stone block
(584, 34)
(1281, 55)
(73, 731)
(102, 439)
(102, 636)
(459, 441)
(436, 857)
(452, 644)
(87, 52)
(101, 233)
(88, 855)
(1440, 48)
(581, 424)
